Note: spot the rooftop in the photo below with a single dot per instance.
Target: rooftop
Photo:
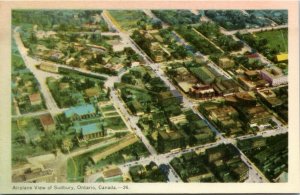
(35, 97)
(282, 57)
(46, 119)
(112, 172)
(91, 128)
(80, 110)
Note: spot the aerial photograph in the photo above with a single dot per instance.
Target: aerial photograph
(146, 96)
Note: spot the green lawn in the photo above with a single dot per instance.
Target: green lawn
(108, 108)
(76, 168)
(127, 19)
(276, 39)
(115, 123)
(130, 153)
(23, 137)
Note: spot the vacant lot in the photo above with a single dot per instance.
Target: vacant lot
(276, 39)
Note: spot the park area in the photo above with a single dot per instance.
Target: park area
(277, 39)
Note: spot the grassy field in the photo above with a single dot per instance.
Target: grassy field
(76, 168)
(115, 123)
(276, 39)
(127, 19)
(21, 147)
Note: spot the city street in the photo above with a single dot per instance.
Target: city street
(131, 121)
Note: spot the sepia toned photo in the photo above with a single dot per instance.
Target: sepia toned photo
(102, 98)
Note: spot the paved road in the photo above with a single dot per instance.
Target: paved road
(132, 120)
(257, 175)
(253, 30)
(39, 75)
(254, 174)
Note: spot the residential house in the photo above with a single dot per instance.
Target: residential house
(47, 122)
(35, 99)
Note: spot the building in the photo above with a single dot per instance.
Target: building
(256, 115)
(80, 112)
(241, 171)
(47, 122)
(92, 131)
(251, 80)
(203, 74)
(184, 79)
(245, 98)
(63, 86)
(270, 98)
(35, 99)
(215, 153)
(136, 108)
(49, 67)
(227, 118)
(34, 175)
(202, 91)
(282, 178)
(168, 140)
(274, 76)
(203, 176)
(178, 119)
(226, 86)
(283, 57)
(225, 62)
(113, 175)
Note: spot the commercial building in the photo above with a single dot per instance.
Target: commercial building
(202, 91)
(274, 76)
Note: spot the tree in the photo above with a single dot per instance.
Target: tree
(67, 144)
(33, 38)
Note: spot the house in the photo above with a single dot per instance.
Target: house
(178, 119)
(63, 86)
(35, 99)
(80, 112)
(47, 122)
(225, 62)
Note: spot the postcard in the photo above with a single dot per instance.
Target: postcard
(149, 97)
